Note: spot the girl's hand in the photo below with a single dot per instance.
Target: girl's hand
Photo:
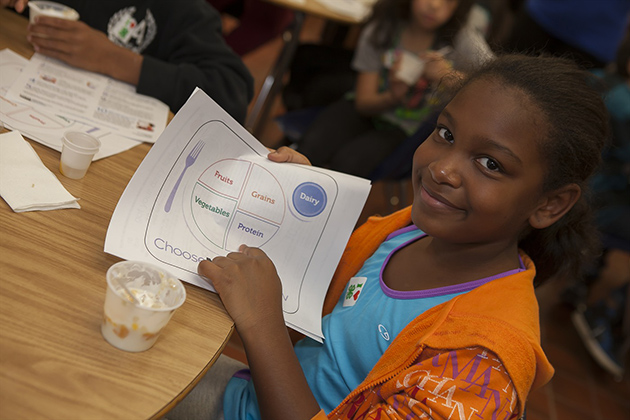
(79, 45)
(18, 5)
(249, 287)
(436, 66)
(286, 154)
(397, 88)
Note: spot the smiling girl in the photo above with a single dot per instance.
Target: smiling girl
(446, 321)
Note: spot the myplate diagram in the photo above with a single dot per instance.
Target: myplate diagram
(227, 201)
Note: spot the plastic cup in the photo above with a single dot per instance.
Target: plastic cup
(141, 298)
(411, 68)
(77, 151)
(49, 8)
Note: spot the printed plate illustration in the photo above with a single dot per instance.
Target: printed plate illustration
(227, 201)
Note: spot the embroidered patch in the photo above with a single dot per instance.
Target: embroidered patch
(124, 30)
(355, 285)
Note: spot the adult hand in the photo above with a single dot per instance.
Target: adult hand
(79, 45)
(286, 154)
(18, 5)
(249, 287)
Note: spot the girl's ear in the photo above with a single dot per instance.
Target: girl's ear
(554, 205)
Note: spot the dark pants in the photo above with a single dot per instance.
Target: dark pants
(343, 140)
(259, 22)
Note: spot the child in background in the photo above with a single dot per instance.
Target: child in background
(432, 311)
(602, 313)
(354, 135)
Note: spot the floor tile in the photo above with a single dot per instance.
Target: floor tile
(609, 389)
(612, 407)
(574, 391)
(539, 401)
(567, 411)
(533, 415)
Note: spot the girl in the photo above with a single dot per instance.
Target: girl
(354, 136)
(432, 312)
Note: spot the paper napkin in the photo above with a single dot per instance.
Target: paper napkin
(25, 183)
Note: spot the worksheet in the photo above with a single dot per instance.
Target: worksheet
(48, 125)
(54, 86)
(206, 187)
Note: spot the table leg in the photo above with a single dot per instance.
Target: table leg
(273, 81)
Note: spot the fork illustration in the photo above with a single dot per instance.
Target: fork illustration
(190, 159)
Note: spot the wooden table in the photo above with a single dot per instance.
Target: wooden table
(54, 363)
(273, 81)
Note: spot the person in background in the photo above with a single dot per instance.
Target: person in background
(432, 310)
(355, 134)
(587, 31)
(164, 48)
(602, 313)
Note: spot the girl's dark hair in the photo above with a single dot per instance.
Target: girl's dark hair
(576, 131)
(388, 14)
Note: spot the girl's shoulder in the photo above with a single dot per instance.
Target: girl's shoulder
(471, 48)
(381, 34)
(370, 29)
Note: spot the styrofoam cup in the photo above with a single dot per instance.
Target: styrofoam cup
(77, 151)
(411, 68)
(50, 8)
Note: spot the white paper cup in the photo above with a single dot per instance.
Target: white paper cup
(135, 325)
(49, 8)
(411, 68)
(77, 151)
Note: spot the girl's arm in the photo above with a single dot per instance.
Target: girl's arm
(369, 101)
(250, 289)
(439, 70)
(472, 382)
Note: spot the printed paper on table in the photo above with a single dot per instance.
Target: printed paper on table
(44, 124)
(206, 187)
(91, 98)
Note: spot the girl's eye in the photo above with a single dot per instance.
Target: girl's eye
(445, 134)
(490, 164)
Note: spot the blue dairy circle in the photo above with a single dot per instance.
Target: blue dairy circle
(309, 199)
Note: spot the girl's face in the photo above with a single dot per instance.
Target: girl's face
(478, 177)
(430, 15)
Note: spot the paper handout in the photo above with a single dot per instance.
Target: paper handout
(88, 97)
(206, 187)
(44, 124)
